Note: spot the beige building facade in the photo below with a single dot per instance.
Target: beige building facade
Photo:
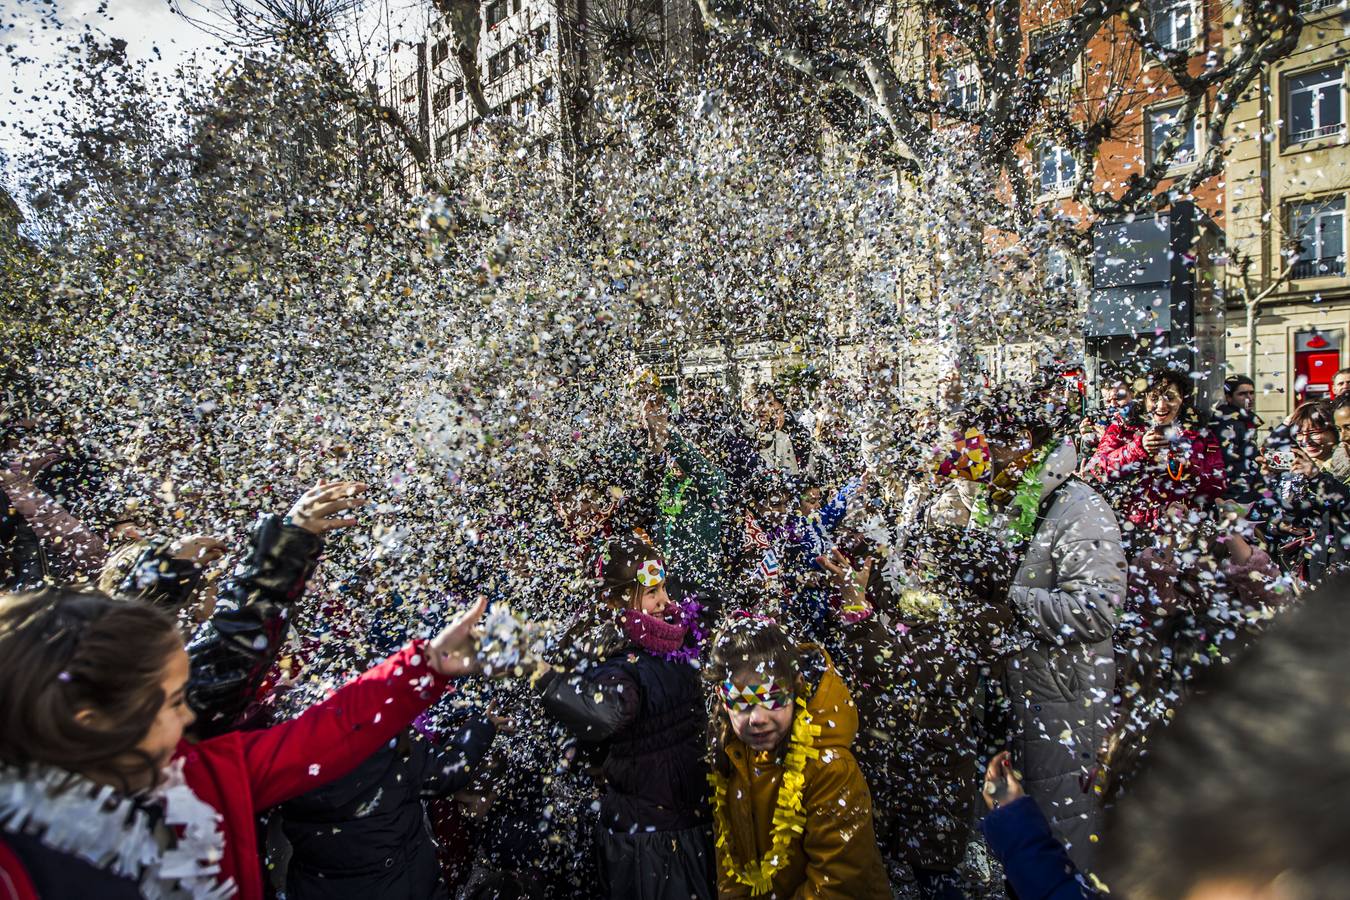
(1288, 178)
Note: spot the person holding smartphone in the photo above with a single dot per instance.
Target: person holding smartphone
(1160, 458)
(1313, 494)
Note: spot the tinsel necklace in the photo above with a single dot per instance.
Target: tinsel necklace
(175, 856)
(789, 819)
(1026, 502)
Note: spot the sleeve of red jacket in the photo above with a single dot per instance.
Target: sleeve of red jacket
(331, 738)
(1116, 451)
(1207, 459)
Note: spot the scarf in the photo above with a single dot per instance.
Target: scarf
(656, 636)
(171, 856)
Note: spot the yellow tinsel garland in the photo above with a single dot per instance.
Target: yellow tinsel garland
(788, 818)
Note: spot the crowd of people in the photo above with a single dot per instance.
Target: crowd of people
(812, 659)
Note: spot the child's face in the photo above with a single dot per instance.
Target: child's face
(653, 600)
(760, 709)
(810, 500)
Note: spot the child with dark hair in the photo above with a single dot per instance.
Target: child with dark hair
(641, 699)
(792, 810)
(99, 794)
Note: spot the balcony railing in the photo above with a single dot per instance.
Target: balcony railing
(1312, 134)
(1325, 267)
(1308, 7)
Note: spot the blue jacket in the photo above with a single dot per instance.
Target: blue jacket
(1033, 861)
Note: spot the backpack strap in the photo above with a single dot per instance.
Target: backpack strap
(14, 881)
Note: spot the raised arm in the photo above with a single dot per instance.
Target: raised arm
(1118, 454)
(331, 738)
(232, 651)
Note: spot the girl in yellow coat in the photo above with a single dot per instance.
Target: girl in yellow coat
(792, 811)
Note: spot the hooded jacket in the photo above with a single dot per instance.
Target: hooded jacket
(836, 855)
(1067, 594)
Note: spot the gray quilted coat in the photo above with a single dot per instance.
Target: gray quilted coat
(1067, 591)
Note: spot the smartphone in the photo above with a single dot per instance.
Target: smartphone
(1280, 459)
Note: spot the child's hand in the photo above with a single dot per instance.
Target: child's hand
(316, 508)
(454, 651)
(1001, 786)
(850, 582)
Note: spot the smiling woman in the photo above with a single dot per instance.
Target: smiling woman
(1162, 460)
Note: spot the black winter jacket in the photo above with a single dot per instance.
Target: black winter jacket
(1235, 428)
(649, 713)
(367, 834)
(232, 651)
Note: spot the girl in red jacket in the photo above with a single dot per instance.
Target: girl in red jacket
(99, 794)
(1159, 458)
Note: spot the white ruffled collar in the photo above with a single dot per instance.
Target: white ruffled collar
(173, 856)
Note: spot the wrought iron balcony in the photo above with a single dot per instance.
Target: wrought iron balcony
(1324, 267)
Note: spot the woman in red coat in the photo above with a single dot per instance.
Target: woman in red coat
(1159, 458)
(100, 796)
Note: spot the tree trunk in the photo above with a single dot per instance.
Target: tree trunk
(1251, 338)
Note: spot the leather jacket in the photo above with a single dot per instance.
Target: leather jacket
(233, 650)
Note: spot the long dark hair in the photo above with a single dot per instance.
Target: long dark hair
(63, 651)
(1160, 381)
(746, 642)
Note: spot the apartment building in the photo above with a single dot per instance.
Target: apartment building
(1287, 180)
(535, 59)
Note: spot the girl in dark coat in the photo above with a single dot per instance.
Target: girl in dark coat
(643, 701)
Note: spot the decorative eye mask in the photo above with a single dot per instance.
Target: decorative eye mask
(651, 574)
(772, 694)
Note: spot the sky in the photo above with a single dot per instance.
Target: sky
(36, 35)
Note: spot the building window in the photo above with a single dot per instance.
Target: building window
(499, 64)
(496, 13)
(1172, 23)
(1059, 272)
(441, 99)
(1058, 169)
(1065, 81)
(515, 6)
(408, 88)
(961, 86)
(521, 50)
(1319, 227)
(1161, 124)
(1314, 104)
(440, 51)
(546, 94)
(443, 146)
(542, 38)
(459, 90)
